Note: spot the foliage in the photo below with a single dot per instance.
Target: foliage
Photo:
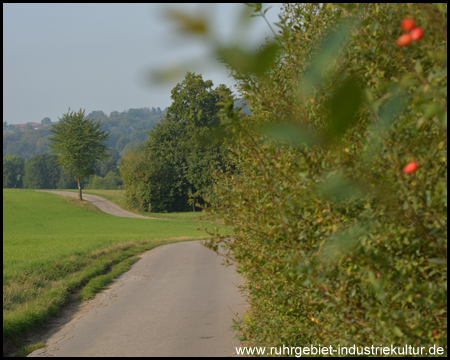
(13, 169)
(79, 144)
(106, 173)
(338, 244)
(42, 172)
(137, 169)
(111, 181)
(173, 172)
(25, 143)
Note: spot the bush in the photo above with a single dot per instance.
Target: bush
(338, 244)
(111, 181)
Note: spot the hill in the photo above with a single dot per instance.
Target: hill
(127, 129)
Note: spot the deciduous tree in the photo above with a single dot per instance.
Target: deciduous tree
(13, 171)
(189, 140)
(41, 172)
(79, 143)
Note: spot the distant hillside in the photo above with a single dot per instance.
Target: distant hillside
(127, 128)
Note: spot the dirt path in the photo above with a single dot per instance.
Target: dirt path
(178, 300)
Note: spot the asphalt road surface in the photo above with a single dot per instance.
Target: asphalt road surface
(103, 204)
(177, 300)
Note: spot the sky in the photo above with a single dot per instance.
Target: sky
(98, 56)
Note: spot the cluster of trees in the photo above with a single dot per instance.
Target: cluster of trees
(172, 170)
(43, 172)
(340, 241)
(127, 129)
(79, 156)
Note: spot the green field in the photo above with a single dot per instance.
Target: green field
(52, 248)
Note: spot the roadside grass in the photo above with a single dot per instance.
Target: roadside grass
(52, 249)
(26, 350)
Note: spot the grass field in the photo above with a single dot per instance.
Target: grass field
(52, 248)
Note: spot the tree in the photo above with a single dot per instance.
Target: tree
(79, 144)
(108, 164)
(188, 142)
(46, 121)
(147, 181)
(111, 181)
(66, 181)
(41, 172)
(13, 166)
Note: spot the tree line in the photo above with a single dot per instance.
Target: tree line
(43, 172)
(127, 129)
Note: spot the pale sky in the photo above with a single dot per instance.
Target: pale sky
(96, 56)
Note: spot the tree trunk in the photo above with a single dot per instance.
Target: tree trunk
(79, 188)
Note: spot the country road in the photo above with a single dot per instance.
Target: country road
(103, 204)
(177, 300)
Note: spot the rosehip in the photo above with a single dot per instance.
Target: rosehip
(417, 33)
(408, 24)
(404, 40)
(411, 167)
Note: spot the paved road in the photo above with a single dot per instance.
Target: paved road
(103, 204)
(178, 300)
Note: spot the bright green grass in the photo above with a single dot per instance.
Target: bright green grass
(52, 248)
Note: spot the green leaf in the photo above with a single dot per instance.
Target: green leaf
(398, 332)
(188, 24)
(290, 133)
(343, 243)
(249, 62)
(418, 67)
(340, 188)
(437, 261)
(344, 107)
(329, 52)
(394, 105)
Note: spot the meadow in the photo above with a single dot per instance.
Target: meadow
(52, 248)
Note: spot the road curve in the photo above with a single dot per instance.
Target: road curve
(103, 204)
(177, 300)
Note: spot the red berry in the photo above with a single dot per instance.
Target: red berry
(408, 24)
(411, 167)
(404, 40)
(417, 33)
